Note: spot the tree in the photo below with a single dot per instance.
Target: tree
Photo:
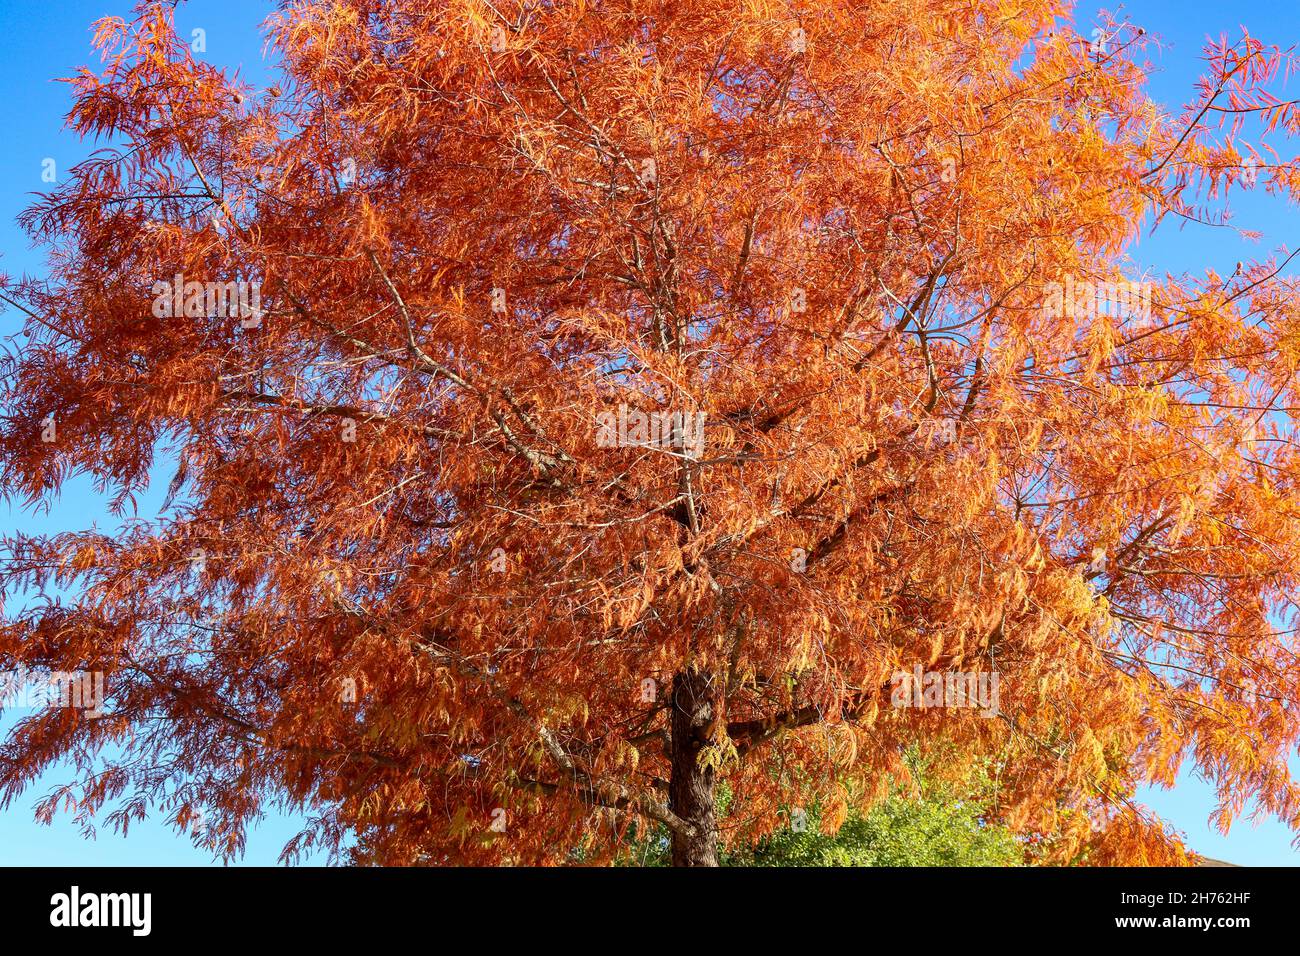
(901, 831)
(921, 825)
(575, 406)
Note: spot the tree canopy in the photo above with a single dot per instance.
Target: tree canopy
(575, 406)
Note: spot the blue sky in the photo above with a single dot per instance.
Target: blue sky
(44, 40)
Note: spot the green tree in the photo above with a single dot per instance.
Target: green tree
(924, 822)
(901, 831)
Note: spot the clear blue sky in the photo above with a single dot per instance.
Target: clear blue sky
(46, 39)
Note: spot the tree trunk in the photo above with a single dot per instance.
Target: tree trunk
(691, 789)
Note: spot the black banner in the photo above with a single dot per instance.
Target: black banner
(364, 906)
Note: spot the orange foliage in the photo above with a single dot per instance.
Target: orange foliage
(610, 353)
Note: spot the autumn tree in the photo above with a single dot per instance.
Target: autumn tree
(573, 406)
